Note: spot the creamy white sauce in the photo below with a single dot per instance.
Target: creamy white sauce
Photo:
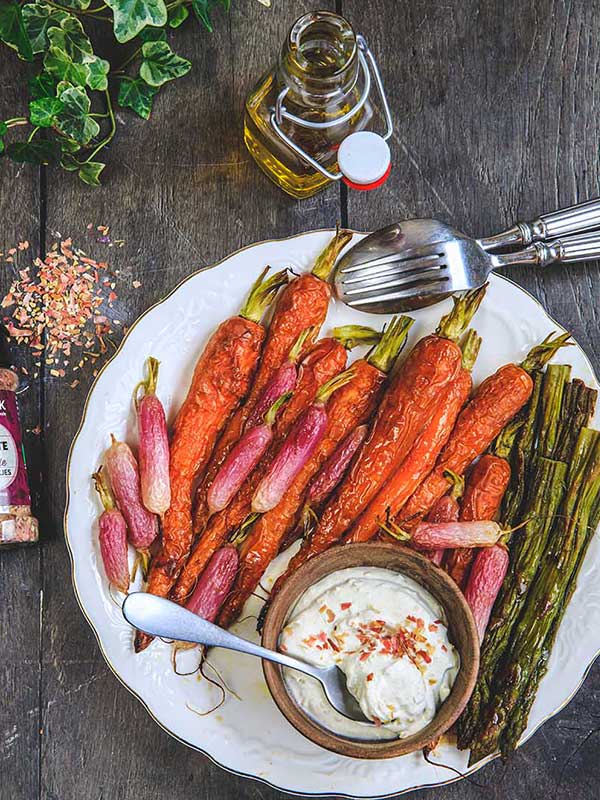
(388, 635)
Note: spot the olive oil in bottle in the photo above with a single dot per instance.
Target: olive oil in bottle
(308, 103)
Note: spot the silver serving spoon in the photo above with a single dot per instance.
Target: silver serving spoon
(418, 262)
(160, 617)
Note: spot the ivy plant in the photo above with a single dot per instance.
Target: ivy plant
(70, 117)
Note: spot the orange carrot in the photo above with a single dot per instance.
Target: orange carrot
(221, 379)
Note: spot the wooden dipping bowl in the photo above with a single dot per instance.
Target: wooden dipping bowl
(461, 625)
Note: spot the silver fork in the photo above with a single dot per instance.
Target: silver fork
(416, 263)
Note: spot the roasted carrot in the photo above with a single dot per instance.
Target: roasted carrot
(347, 409)
(484, 490)
(303, 304)
(326, 359)
(422, 457)
(497, 400)
(221, 379)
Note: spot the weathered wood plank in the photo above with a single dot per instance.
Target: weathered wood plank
(495, 108)
(182, 191)
(19, 568)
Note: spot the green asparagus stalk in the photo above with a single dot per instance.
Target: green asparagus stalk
(527, 550)
(520, 459)
(518, 721)
(556, 378)
(544, 603)
(579, 402)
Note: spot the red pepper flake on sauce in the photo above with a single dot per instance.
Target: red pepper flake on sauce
(370, 676)
(345, 606)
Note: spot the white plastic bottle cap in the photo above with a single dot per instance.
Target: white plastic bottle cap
(364, 160)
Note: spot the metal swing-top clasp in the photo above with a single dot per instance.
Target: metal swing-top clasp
(364, 157)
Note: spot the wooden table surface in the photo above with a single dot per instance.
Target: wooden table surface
(496, 113)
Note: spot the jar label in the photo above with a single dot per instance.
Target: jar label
(14, 486)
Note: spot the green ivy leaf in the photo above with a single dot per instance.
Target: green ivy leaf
(137, 95)
(42, 112)
(98, 78)
(38, 18)
(161, 64)
(42, 85)
(58, 64)
(74, 120)
(12, 29)
(132, 16)
(153, 35)
(178, 15)
(71, 38)
(37, 152)
(69, 145)
(69, 162)
(90, 172)
(78, 5)
(3, 131)
(202, 10)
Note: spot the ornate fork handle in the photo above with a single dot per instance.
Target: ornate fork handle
(580, 217)
(585, 247)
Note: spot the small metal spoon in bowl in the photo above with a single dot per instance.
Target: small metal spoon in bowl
(160, 617)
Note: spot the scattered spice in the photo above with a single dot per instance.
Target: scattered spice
(60, 306)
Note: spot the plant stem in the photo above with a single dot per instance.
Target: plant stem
(11, 123)
(127, 61)
(32, 134)
(111, 133)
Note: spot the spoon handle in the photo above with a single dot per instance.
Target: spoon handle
(160, 617)
(555, 224)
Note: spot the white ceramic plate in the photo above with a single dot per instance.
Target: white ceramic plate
(249, 736)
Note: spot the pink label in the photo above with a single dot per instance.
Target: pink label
(14, 486)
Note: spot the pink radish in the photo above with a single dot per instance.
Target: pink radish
(154, 444)
(446, 510)
(485, 580)
(112, 535)
(282, 382)
(335, 467)
(122, 469)
(214, 584)
(298, 447)
(435, 536)
(242, 459)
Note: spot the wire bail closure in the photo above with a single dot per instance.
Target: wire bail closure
(369, 67)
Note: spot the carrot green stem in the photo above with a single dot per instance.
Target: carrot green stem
(458, 483)
(470, 349)
(352, 336)
(298, 345)
(392, 341)
(325, 262)
(455, 323)
(271, 414)
(333, 385)
(262, 294)
(242, 532)
(102, 488)
(540, 355)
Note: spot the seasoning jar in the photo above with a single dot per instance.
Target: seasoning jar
(17, 525)
(310, 121)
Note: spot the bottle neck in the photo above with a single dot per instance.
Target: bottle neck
(319, 61)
